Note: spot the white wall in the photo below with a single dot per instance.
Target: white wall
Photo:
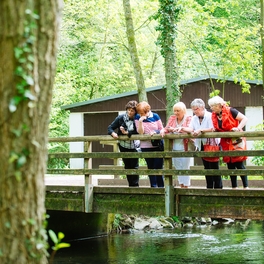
(255, 117)
(76, 124)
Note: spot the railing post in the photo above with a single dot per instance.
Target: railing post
(88, 186)
(168, 182)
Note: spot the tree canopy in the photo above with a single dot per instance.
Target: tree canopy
(219, 37)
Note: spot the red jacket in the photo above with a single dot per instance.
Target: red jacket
(228, 122)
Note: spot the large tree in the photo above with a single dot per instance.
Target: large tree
(262, 34)
(168, 15)
(142, 95)
(28, 45)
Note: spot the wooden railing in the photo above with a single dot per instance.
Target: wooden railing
(88, 155)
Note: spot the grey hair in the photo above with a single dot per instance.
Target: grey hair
(198, 102)
(182, 106)
(216, 100)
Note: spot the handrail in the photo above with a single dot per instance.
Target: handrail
(254, 135)
(167, 171)
(158, 154)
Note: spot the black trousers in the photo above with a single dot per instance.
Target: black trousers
(130, 163)
(212, 181)
(237, 165)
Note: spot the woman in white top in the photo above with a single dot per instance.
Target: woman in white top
(202, 122)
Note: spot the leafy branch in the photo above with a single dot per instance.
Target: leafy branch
(57, 243)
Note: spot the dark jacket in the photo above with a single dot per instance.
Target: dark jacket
(119, 121)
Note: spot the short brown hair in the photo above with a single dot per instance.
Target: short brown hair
(143, 108)
(131, 104)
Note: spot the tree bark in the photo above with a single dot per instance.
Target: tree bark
(142, 95)
(28, 46)
(168, 15)
(262, 34)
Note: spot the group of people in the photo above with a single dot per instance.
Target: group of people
(139, 119)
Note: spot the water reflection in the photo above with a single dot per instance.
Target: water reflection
(220, 244)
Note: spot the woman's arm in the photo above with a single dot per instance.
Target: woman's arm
(242, 122)
(139, 125)
(113, 126)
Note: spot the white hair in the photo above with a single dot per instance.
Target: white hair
(182, 106)
(216, 100)
(198, 102)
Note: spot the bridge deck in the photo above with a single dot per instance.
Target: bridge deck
(194, 201)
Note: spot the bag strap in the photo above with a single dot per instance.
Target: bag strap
(211, 142)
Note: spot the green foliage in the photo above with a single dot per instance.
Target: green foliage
(24, 70)
(176, 219)
(58, 127)
(58, 163)
(259, 144)
(57, 240)
(226, 33)
(212, 37)
(57, 243)
(117, 220)
(167, 16)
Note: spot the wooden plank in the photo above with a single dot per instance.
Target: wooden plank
(247, 134)
(158, 154)
(161, 172)
(201, 167)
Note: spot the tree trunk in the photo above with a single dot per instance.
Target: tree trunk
(168, 14)
(142, 95)
(28, 46)
(262, 34)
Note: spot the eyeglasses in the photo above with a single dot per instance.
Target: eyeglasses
(196, 109)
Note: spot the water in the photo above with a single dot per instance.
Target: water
(219, 244)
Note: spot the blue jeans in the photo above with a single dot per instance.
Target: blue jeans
(154, 163)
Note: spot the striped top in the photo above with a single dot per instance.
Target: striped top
(151, 125)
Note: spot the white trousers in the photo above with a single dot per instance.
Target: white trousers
(182, 164)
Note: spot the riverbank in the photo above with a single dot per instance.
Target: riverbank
(131, 223)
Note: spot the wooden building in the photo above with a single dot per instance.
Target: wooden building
(92, 117)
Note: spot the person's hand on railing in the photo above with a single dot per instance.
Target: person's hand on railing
(162, 132)
(197, 132)
(114, 135)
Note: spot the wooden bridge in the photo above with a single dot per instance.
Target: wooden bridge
(169, 201)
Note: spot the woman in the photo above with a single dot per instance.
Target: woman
(225, 119)
(150, 123)
(202, 122)
(125, 125)
(176, 124)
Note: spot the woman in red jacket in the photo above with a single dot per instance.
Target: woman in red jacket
(225, 119)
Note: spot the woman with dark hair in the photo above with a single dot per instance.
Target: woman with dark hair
(225, 119)
(148, 122)
(125, 125)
